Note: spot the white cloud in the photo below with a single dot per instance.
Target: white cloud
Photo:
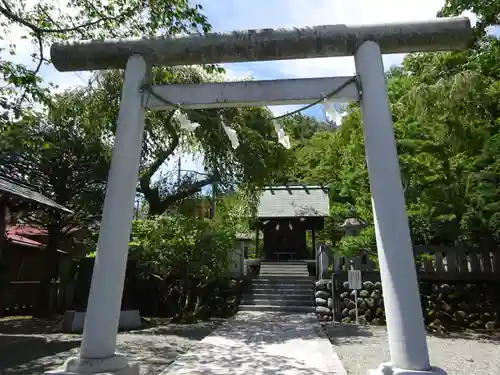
(25, 48)
(261, 14)
(298, 13)
(228, 15)
(279, 110)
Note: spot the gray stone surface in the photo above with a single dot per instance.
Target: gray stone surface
(262, 343)
(264, 45)
(155, 348)
(361, 348)
(73, 321)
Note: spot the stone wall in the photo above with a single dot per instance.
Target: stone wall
(445, 306)
(370, 304)
(323, 299)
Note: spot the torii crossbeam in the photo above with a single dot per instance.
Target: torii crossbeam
(407, 341)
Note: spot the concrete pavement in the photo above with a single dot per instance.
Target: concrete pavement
(262, 343)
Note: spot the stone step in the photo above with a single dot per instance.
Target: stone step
(280, 296)
(283, 283)
(283, 274)
(282, 280)
(285, 278)
(283, 270)
(289, 284)
(276, 274)
(290, 291)
(277, 302)
(276, 308)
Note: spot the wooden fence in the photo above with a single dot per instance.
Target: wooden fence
(20, 297)
(438, 263)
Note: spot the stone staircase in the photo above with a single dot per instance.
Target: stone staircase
(281, 286)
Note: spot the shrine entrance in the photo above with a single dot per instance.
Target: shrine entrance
(284, 240)
(406, 332)
(286, 214)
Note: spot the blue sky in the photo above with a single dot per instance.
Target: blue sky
(227, 15)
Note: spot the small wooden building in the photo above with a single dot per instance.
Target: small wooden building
(285, 214)
(22, 246)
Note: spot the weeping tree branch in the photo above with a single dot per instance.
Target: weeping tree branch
(38, 33)
(158, 204)
(165, 154)
(188, 191)
(7, 12)
(152, 195)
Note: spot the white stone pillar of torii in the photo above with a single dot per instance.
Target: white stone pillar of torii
(405, 326)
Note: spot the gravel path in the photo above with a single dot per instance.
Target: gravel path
(361, 348)
(264, 343)
(155, 348)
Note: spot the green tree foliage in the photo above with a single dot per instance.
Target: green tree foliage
(258, 158)
(68, 161)
(62, 148)
(488, 11)
(44, 22)
(188, 252)
(446, 119)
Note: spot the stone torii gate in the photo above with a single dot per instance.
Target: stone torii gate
(406, 332)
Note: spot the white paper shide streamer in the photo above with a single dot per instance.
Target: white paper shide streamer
(333, 115)
(231, 134)
(184, 122)
(283, 139)
(187, 124)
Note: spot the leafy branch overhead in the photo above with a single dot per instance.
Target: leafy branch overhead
(445, 111)
(256, 160)
(60, 144)
(45, 22)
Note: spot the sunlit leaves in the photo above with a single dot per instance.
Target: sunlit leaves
(446, 119)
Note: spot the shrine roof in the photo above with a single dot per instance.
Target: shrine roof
(287, 201)
(13, 189)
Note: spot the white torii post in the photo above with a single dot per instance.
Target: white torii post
(97, 354)
(406, 333)
(405, 323)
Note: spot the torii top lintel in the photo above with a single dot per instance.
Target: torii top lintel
(442, 34)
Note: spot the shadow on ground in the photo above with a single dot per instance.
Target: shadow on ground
(344, 334)
(193, 331)
(262, 327)
(27, 325)
(33, 346)
(262, 343)
(347, 334)
(488, 337)
(23, 354)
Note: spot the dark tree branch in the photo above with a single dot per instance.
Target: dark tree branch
(190, 190)
(41, 59)
(7, 12)
(164, 155)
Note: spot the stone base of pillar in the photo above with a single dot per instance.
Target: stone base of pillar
(117, 365)
(388, 369)
(74, 320)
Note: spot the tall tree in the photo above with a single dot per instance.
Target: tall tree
(445, 112)
(44, 22)
(66, 159)
(257, 159)
(487, 11)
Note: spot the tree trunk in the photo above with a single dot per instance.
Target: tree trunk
(43, 308)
